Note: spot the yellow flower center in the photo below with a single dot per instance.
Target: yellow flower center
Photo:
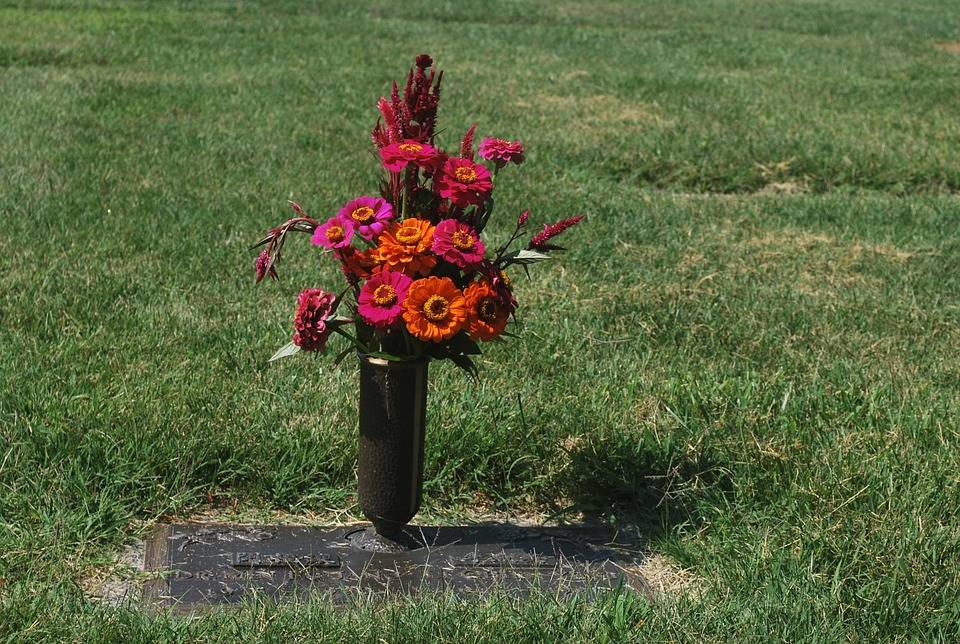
(462, 240)
(505, 278)
(334, 234)
(385, 295)
(363, 214)
(487, 309)
(436, 308)
(409, 235)
(410, 147)
(465, 174)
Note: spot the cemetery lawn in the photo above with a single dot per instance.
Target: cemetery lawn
(750, 352)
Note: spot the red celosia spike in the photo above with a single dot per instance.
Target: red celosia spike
(379, 136)
(389, 118)
(466, 146)
(408, 96)
(539, 242)
(424, 61)
(404, 122)
(430, 124)
(261, 265)
(418, 84)
(401, 111)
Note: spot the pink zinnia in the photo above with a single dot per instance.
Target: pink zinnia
(381, 298)
(397, 156)
(367, 214)
(457, 243)
(463, 182)
(310, 321)
(333, 233)
(501, 152)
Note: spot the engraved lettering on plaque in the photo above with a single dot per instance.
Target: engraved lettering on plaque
(501, 559)
(284, 560)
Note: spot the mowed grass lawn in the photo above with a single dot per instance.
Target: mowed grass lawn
(750, 351)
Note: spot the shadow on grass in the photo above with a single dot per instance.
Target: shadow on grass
(622, 482)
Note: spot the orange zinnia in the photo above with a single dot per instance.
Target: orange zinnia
(405, 247)
(434, 309)
(486, 315)
(358, 264)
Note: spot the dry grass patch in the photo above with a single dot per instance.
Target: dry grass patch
(949, 47)
(599, 113)
(784, 188)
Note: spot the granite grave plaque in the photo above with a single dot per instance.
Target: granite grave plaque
(202, 564)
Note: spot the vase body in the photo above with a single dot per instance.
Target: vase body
(392, 414)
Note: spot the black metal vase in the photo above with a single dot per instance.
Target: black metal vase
(393, 406)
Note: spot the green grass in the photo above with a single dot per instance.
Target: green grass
(767, 383)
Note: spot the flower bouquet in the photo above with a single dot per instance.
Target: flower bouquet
(421, 282)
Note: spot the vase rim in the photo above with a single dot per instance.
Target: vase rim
(384, 362)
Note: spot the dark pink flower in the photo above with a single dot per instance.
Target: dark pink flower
(262, 268)
(368, 215)
(333, 233)
(501, 152)
(396, 156)
(381, 298)
(539, 241)
(457, 243)
(463, 182)
(522, 219)
(314, 306)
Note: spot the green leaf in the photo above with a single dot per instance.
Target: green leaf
(343, 354)
(461, 343)
(524, 257)
(465, 363)
(339, 319)
(288, 349)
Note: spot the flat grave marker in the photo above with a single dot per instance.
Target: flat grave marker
(206, 565)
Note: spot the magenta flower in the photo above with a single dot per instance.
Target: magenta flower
(262, 267)
(463, 182)
(333, 233)
(501, 152)
(457, 243)
(397, 156)
(541, 239)
(314, 306)
(368, 215)
(381, 298)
